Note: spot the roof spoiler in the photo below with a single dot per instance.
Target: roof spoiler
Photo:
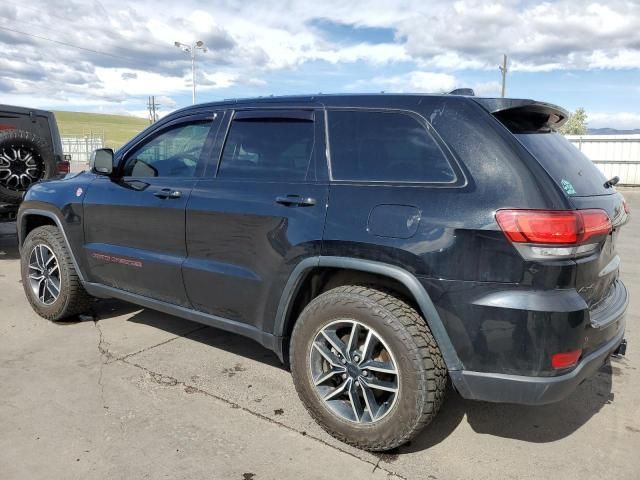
(525, 116)
(463, 91)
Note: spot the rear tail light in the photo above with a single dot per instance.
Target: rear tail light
(554, 233)
(64, 167)
(566, 359)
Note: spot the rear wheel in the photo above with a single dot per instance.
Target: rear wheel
(49, 278)
(25, 158)
(366, 366)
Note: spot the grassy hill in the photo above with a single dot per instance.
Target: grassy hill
(117, 129)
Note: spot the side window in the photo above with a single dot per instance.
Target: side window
(262, 148)
(173, 153)
(384, 146)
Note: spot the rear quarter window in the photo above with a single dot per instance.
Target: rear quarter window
(568, 166)
(385, 147)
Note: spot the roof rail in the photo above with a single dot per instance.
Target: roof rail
(463, 91)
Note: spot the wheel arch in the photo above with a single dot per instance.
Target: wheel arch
(31, 218)
(285, 318)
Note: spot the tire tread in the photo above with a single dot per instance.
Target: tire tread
(78, 300)
(414, 332)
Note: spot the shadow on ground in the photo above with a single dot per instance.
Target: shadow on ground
(540, 424)
(213, 337)
(8, 241)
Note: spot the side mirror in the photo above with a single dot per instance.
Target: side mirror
(102, 161)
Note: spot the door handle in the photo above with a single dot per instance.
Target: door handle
(296, 201)
(168, 193)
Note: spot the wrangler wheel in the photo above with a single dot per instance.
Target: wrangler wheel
(25, 159)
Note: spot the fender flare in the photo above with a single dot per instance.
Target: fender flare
(420, 295)
(49, 214)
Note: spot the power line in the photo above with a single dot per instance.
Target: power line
(48, 12)
(40, 37)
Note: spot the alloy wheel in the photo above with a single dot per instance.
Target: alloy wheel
(354, 371)
(44, 274)
(20, 166)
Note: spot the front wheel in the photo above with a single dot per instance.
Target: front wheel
(49, 278)
(366, 366)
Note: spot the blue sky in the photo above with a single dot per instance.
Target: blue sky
(109, 56)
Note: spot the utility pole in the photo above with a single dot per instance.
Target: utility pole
(150, 110)
(153, 109)
(503, 69)
(191, 50)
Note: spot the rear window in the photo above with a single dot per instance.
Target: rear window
(384, 146)
(568, 166)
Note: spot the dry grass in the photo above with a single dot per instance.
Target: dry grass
(117, 129)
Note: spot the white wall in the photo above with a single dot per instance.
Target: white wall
(613, 154)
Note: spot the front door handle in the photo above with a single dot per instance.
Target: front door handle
(295, 201)
(168, 193)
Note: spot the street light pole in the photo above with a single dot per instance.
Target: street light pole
(191, 50)
(193, 76)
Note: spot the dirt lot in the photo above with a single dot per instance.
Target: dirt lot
(139, 394)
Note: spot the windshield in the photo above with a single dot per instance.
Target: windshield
(568, 166)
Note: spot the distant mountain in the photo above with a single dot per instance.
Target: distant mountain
(612, 131)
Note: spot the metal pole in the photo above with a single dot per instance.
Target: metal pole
(193, 72)
(503, 69)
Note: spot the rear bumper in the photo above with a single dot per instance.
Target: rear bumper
(526, 390)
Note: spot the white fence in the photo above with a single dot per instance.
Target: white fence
(613, 154)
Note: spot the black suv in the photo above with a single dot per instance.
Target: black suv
(382, 245)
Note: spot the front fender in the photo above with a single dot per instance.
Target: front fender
(60, 202)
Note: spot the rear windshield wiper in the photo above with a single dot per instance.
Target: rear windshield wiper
(611, 182)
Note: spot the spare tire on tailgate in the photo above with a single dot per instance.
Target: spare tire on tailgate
(25, 158)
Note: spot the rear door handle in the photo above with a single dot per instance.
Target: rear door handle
(295, 201)
(168, 193)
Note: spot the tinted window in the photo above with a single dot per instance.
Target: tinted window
(380, 146)
(263, 148)
(173, 153)
(568, 166)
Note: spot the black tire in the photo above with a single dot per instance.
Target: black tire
(422, 379)
(15, 175)
(73, 298)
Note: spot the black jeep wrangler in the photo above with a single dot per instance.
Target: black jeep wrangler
(30, 151)
(382, 245)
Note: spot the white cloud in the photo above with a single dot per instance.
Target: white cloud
(619, 120)
(411, 82)
(539, 37)
(487, 89)
(250, 40)
(419, 82)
